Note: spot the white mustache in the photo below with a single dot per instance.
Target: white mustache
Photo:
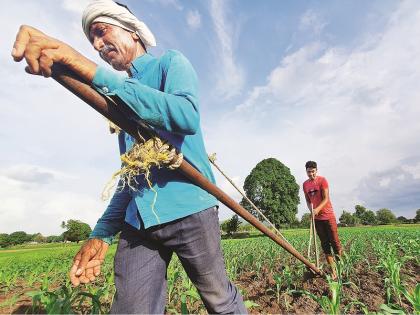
(106, 49)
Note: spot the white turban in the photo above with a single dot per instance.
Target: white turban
(107, 11)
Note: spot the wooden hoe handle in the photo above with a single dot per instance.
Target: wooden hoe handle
(108, 109)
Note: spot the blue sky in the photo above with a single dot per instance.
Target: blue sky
(331, 81)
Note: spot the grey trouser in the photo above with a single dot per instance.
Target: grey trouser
(143, 256)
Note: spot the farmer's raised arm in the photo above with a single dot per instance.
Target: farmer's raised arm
(41, 51)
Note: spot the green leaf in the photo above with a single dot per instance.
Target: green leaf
(387, 310)
(250, 304)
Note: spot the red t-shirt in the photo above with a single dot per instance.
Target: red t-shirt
(313, 190)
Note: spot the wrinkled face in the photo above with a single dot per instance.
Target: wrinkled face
(311, 172)
(115, 45)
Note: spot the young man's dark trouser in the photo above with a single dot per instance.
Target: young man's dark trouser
(328, 234)
(143, 256)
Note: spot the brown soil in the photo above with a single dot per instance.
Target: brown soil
(366, 286)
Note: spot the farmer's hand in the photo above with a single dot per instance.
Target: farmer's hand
(87, 262)
(41, 51)
(317, 211)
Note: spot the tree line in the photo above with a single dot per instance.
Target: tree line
(273, 189)
(75, 231)
(363, 216)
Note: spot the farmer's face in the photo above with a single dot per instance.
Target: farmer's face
(115, 45)
(311, 172)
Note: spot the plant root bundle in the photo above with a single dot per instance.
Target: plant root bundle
(139, 160)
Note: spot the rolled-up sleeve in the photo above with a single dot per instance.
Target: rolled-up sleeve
(174, 108)
(112, 219)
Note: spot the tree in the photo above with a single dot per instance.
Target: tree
(347, 219)
(402, 219)
(417, 217)
(273, 189)
(294, 224)
(232, 225)
(19, 237)
(39, 238)
(76, 230)
(4, 240)
(360, 211)
(368, 218)
(385, 216)
(305, 221)
(364, 216)
(55, 238)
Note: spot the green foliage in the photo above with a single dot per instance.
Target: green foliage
(364, 216)
(385, 216)
(368, 218)
(417, 217)
(330, 304)
(247, 227)
(348, 219)
(305, 221)
(360, 211)
(76, 230)
(45, 269)
(232, 225)
(4, 240)
(273, 189)
(55, 238)
(19, 237)
(39, 238)
(402, 219)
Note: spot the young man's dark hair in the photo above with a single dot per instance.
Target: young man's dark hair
(310, 164)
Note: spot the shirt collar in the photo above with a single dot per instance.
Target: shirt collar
(138, 64)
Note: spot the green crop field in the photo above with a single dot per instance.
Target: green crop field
(379, 272)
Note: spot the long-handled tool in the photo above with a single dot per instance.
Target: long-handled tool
(314, 236)
(310, 239)
(112, 109)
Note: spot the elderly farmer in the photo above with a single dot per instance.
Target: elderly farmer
(318, 201)
(163, 93)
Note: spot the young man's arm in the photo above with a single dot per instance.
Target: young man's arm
(325, 199)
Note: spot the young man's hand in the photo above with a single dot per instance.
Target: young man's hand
(42, 51)
(316, 211)
(87, 262)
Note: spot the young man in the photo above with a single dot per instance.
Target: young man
(163, 93)
(318, 201)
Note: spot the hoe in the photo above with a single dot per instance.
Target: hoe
(113, 109)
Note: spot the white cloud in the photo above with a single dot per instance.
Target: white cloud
(58, 153)
(75, 6)
(384, 182)
(312, 21)
(354, 111)
(230, 77)
(31, 174)
(41, 207)
(401, 192)
(193, 19)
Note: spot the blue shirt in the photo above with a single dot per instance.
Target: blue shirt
(162, 92)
